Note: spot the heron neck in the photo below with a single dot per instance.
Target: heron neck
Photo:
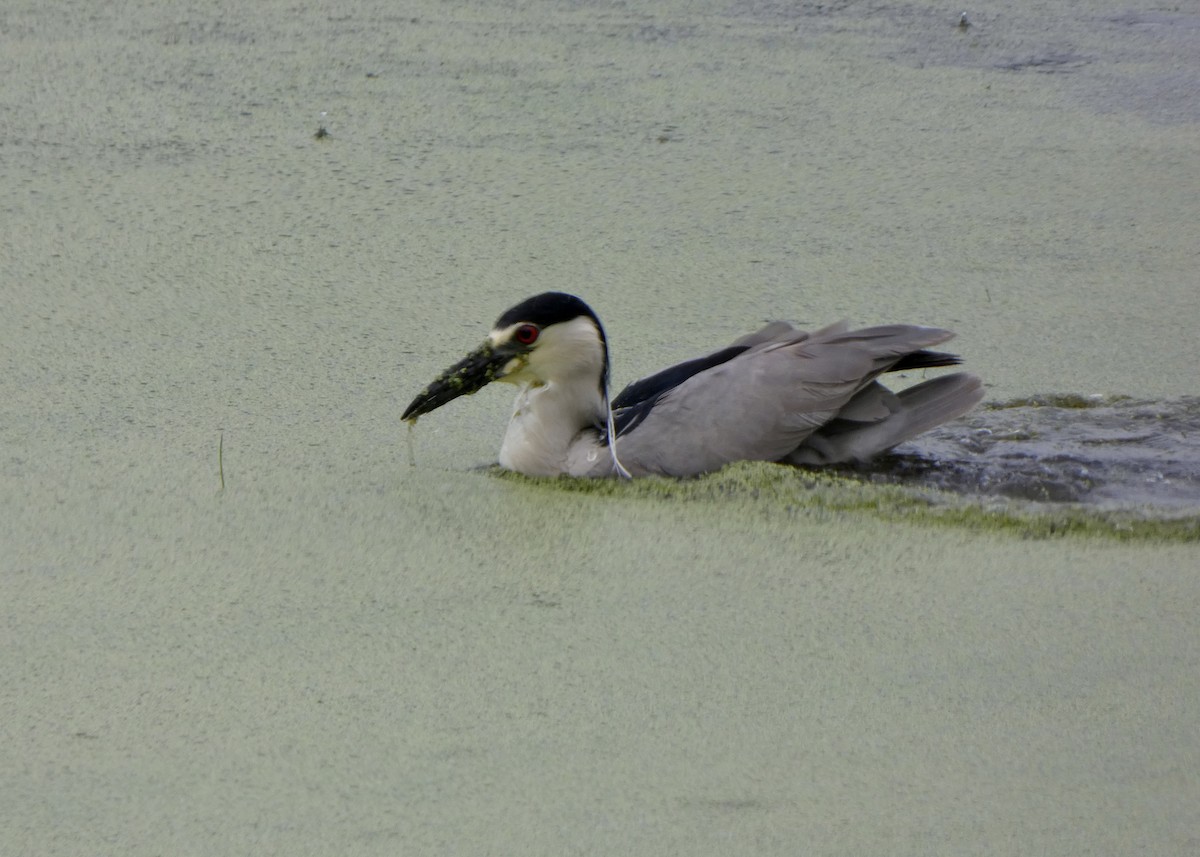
(547, 419)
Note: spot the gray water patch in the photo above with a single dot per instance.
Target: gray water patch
(1103, 452)
(1144, 62)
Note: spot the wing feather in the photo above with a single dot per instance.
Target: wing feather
(765, 401)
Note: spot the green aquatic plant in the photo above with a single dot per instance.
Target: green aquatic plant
(1058, 400)
(789, 490)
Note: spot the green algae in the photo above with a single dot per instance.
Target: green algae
(466, 377)
(787, 490)
(1058, 400)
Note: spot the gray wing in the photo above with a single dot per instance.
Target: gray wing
(765, 403)
(877, 419)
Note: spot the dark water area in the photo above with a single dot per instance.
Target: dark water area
(1108, 453)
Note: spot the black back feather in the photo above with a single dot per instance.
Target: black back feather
(925, 360)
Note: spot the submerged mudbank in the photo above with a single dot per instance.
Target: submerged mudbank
(1105, 452)
(1039, 467)
(1051, 465)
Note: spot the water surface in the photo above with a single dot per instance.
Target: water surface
(343, 653)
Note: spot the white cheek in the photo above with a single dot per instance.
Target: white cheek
(512, 370)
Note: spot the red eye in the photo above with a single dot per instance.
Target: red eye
(526, 334)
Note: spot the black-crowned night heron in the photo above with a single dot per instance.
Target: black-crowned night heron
(779, 394)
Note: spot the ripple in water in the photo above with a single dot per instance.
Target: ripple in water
(1102, 452)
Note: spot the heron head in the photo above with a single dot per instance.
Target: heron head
(550, 338)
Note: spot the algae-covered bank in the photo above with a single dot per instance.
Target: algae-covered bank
(239, 615)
